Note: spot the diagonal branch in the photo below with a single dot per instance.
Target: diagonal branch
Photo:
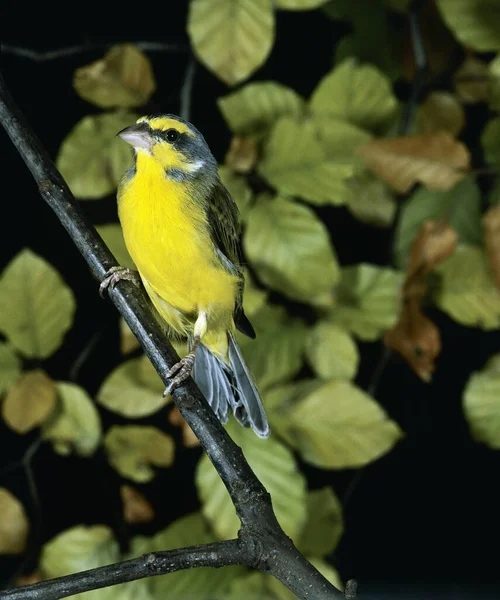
(265, 544)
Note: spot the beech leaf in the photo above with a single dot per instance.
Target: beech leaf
(331, 351)
(441, 111)
(476, 23)
(14, 524)
(324, 526)
(491, 224)
(10, 367)
(471, 80)
(112, 236)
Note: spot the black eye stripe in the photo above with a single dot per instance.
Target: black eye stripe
(171, 135)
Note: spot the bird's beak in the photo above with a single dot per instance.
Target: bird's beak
(137, 135)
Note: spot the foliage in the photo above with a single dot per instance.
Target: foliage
(294, 165)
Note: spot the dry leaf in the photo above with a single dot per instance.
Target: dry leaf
(136, 507)
(416, 338)
(491, 224)
(242, 155)
(434, 159)
(441, 111)
(14, 524)
(30, 402)
(472, 81)
(188, 437)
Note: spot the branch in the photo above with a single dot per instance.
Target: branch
(265, 544)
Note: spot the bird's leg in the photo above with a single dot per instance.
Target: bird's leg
(116, 274)
(182, 369)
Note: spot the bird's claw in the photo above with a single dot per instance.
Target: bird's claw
(181, 370)
(114, 275)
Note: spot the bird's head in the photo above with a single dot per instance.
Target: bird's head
(175, 144)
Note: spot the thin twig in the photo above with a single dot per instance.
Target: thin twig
(187, 90)
(83, 356)
(49, 55)
(266, 545)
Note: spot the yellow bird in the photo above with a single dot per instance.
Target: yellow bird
(182, 230)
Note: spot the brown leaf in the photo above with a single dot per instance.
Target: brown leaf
(123, 77)
(491, 225)
(34, 577)
(14, 524)
(435, 241)
(435, 159)
(188, 437)
(472, 81)
(30, 402)
(136, 508)
(416, 338)
(441, 111)
(242, 155)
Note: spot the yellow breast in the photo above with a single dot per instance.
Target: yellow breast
(167, 236)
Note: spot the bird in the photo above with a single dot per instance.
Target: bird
(182, 229)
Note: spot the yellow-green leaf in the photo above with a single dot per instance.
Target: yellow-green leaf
(490, 140)
(331, 351)
(208, 583)
(251, 586)
(123, 77)
(112, 236)
(91, 158)
(299, 4)
(254, 297)
(368, 300)
(441, 111)
(371, 201)
(238, 188)
(36, 306)
(10, 367)
(128, 341)
(133, 450)
(274, 465)
(493, 83)
(254, 108)
(476, 23)
(14, 524)
(77, 425)
(324, 526)
(129, 393)
(290, 248)
(460, 206)
(30, 402)
(297, 161)
(233, 38)
(466, 291)
(358, 93)
(482, 403)
(335, 425)
(277, 352)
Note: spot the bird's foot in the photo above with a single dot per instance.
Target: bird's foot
(116, 274)
(181, 370)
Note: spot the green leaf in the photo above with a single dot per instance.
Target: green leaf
(334, 425)
(254, 108)
(360, 94)
(466, 291)
(482, 403)
(208, 583)
(277, 352)
(493, 84)
(280, 592)
(133, 389)
(274, 465)
(368, 300)
(490, 140)
(10, 367)
(112, 236)
(77, 425)
(132, 449)
(290, 248)
(123, 77)
(371, 201)
(331, 351)
(314, 173)
(91, 158)
(36, 306)
(299, 4)
(238, 188)
(476, 23)
(14, 524)
(324, 526)
(460, 206)
(254, 297)
(249, 587)
(232, 38)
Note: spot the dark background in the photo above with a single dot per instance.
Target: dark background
(422, 521)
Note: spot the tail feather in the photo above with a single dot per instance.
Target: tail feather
(234, 387)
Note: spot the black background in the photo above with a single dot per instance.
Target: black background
(424, 517)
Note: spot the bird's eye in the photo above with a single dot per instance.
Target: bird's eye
(172, 135)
